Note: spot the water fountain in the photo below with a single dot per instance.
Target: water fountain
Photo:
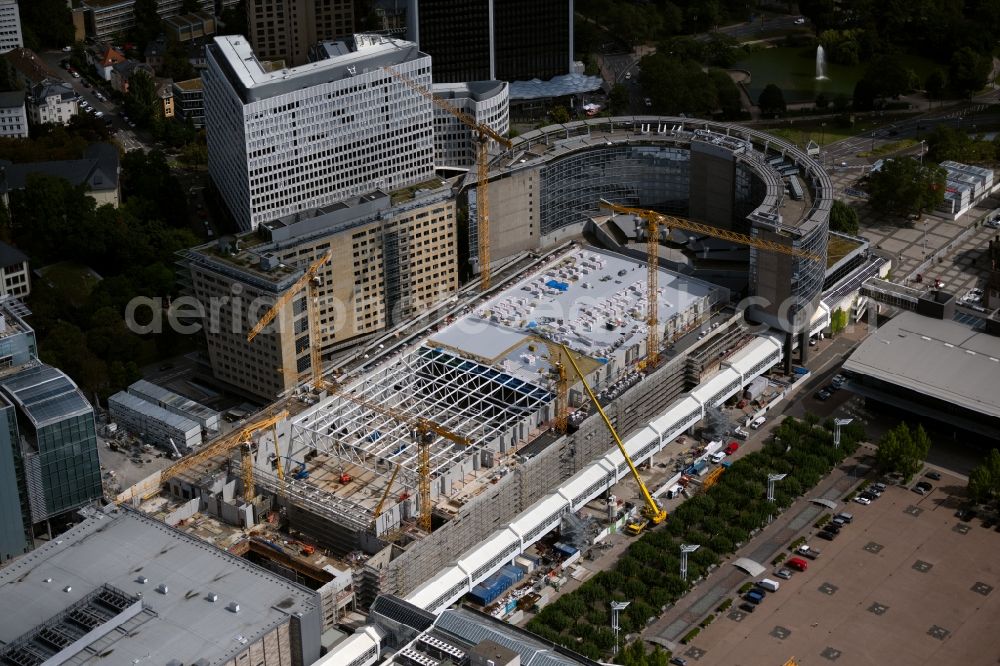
(820, 64)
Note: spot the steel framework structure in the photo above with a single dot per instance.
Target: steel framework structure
(462, 396)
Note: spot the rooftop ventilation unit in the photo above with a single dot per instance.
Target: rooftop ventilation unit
(233, 607)
(162, 588)
(212, 596)
(142, 580)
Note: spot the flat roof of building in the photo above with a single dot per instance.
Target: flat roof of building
(190, 84)
(255, 82)
(154, 411)
(591, 300)
(943, 359)
(122, 547)
(45, 394)
(194, 410)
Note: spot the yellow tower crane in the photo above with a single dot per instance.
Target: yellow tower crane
(425, 430)
(562, 383)
(309, 280)
(652, 511)
(240, 439)
(385, 495)
(654, 222)
(483, 135)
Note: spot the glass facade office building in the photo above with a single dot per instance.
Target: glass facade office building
(483, 40)
(58, 440)
(48, 449)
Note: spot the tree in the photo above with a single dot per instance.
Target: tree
(46, 24)
(984, 480)
(903, 186)
(821, 13)
(935, 83)
(618, 99)
(559, 115)
(843, 218)
(864, 95)
(889, 77)
(142, 102)
(147, 22)
(234, 19)
(902, 450)
(730, 102)
(678, 86)
(771, 100)
(968, 71)
(838, 321)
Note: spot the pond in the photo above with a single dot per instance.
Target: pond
(793, 70)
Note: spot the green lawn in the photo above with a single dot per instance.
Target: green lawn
(74, 280)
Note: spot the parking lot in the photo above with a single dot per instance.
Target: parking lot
(906, 582)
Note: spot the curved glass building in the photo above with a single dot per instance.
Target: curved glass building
(726, 175)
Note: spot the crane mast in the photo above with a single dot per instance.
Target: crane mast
(654, 221)
(484, 133)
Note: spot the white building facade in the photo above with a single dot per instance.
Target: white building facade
(13, 118)
(10, 26)
(52, 102)
(454, 141)
(281, 141)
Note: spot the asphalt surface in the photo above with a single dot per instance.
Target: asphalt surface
(126, 136)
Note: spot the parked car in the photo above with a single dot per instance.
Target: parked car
(838, 381)
(879, 486)
(747, 607)
(965, 515)
(926, 486)
(862, 500)
(933, 475)
(829, 536)
(798, 564)
(800, 21)
(846, 517)
(784, 574)
(823, 395)
(732, 448)
(831, 527)
(870, 496)
(873, 490)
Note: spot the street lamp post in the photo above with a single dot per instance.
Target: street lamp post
(686, 548)
(771, 480)
(617, 607)
(836, 430)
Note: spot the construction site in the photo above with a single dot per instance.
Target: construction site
(440, 455)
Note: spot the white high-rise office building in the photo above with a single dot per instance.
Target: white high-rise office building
(281, 141)
(10, 26)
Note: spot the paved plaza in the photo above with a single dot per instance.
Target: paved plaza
(954, 252)
(905, 583)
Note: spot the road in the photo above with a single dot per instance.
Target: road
(128, 139)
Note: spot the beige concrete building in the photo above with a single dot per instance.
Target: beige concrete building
(286, 29)
(392, 257)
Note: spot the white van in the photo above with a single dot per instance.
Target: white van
(758, 422)
(769, 585)
(718, 457)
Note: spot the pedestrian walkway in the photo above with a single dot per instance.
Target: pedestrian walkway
(722, 583)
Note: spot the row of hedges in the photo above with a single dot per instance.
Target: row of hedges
(647, 574)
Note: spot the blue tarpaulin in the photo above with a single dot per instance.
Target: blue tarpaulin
(555, 284)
